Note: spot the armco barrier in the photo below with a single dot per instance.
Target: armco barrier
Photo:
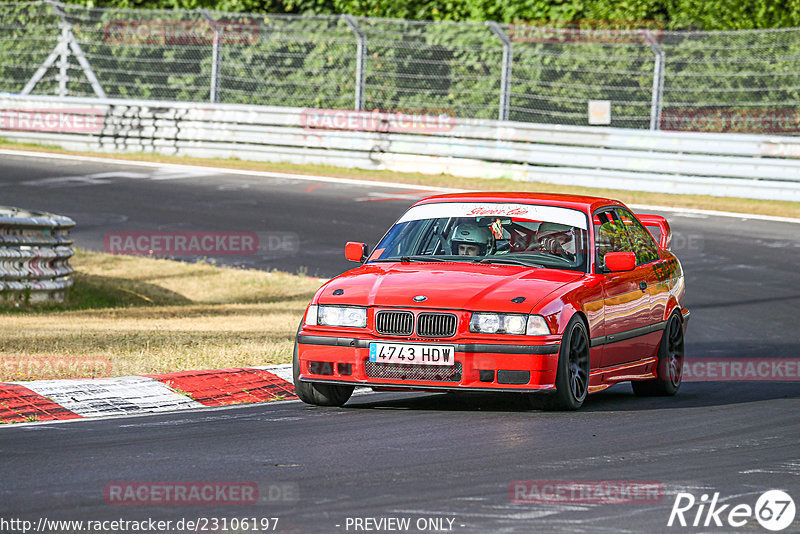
(34, 256)
(741, 165)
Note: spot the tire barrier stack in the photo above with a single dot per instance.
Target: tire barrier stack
(35, 249)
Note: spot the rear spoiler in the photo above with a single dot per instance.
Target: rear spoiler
(658, 228)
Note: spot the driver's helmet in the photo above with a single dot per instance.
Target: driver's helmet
(560, 236)
(472, 237)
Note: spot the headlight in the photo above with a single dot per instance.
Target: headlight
(508, 323)
(486, 323)
(341, 316)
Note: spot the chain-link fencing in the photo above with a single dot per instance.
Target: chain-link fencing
(636, 77)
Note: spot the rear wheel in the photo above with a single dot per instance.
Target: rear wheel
(318, 394)
(572, 376)
(670, 363)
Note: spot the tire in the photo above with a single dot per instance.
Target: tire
(670, 363)
(318, 394)
(572, 375)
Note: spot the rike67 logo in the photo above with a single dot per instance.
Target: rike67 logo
(774, 510)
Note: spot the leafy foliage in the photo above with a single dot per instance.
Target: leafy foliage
(675, 14)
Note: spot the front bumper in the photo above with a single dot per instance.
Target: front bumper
(479, 366)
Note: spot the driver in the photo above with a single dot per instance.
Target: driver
(471, 239)
(556, 239)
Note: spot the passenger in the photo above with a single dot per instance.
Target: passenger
(556, 239)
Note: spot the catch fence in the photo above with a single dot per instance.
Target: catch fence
(629, 74)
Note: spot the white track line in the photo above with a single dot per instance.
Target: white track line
(224, 170)
(714, 213)
(333, 179)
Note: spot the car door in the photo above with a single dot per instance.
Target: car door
(647, 255)
(627, 307)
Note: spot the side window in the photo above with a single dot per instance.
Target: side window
(642, 242)
(610, 235)
(402, 236)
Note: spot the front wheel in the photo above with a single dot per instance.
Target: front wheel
(318, 394)
(572, 376)
(670, 363)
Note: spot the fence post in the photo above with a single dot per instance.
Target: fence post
(361, 52)
(505, 74)
(212, 90)
(68, 40)
(63, 62)
(658, 80)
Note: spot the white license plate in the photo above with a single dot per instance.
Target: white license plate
(412, 354)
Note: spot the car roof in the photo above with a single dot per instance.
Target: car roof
(580, 202)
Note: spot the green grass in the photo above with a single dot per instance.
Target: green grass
(133, 315)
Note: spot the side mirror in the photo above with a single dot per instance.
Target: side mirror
(620, 261)
(355, 251)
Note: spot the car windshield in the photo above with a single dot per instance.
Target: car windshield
(515, 234)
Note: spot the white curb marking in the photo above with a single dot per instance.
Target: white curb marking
(112, 396)
(283, 371)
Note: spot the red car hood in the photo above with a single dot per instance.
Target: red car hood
(446, 285)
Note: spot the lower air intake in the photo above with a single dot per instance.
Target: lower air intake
(440, 373)
(513, 377)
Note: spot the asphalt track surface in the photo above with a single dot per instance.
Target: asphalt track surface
(419, 455)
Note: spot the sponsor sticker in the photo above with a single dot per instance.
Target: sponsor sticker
(529, 212)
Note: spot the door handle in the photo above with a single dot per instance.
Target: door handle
(643, 285)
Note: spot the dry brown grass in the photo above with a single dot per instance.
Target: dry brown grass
(741, 205)
(143, 315)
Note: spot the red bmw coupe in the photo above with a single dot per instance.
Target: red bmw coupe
(556, 296)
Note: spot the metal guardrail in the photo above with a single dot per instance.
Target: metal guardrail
(35, 249)
(743, 165)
